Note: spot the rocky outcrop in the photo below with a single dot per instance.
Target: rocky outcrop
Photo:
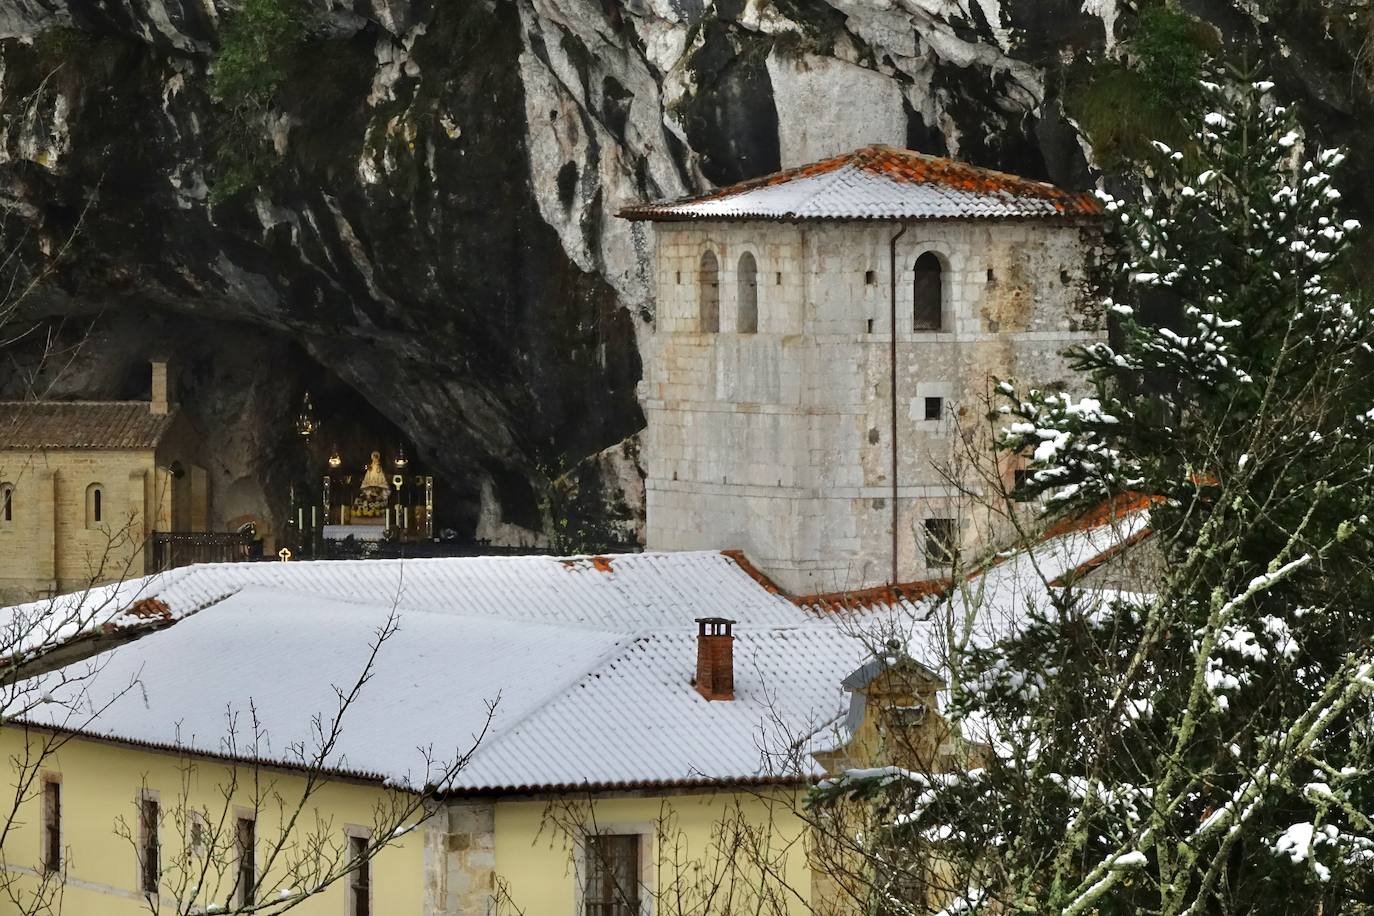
(420, 211)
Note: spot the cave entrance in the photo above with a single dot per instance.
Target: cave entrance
(361, 491)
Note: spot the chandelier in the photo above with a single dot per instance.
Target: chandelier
(306, 424)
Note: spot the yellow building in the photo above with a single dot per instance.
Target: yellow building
(645, 728)
(607, 736)
(84, 483)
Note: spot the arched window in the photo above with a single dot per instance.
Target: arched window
(708, 279)
(748, 282)
(95, 508)
(6, 503)
(928, 294)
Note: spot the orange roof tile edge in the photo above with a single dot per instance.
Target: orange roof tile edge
(843, 600)
(901, 165)
(1087, 566)
(1104, 513)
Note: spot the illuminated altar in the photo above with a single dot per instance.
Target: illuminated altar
(369, 505)
(375, 495)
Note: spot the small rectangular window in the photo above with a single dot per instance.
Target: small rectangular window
(150, 870)
(197, 834)
(777, 279)
(941, 545)
(935, 408)
(1020, 477)
(52, 825)
(612, 875)
(360, 878)
(247, 842)
(870, 277)
(870, 325)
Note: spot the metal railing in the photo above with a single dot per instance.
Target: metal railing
(170, 549)
(351, 549)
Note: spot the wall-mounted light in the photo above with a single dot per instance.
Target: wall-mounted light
(335, 459)
(400, 460)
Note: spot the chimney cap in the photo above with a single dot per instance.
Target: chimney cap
(714, 626)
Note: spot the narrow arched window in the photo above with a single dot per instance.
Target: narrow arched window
(747, 278)
(95, 508)
(708, 280)
(6, 502)
(928, 293)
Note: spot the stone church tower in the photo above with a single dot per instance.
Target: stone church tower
(820, 332)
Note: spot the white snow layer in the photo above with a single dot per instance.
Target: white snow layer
(589, 663)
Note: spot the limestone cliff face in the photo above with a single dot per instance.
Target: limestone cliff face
(428, 220)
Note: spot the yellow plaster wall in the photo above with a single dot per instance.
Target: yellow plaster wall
(692, 841)
(101, 783)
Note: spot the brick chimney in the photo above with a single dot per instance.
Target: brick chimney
(715, 678)
(160, 403)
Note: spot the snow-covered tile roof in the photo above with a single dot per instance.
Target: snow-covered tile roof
(637, 718)
(573, 704)
(622, 592)
(878, 182)
(589, 662)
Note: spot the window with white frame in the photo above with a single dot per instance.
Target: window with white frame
(611, 869)
(246, 844)
(197, 835)
(51, 852)
(359, 876)
(149, 846)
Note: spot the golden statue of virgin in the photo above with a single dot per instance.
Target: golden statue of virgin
(375, 492)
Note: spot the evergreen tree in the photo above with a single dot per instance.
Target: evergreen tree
(1203, 746)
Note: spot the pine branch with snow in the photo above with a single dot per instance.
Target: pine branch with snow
(1204, 740)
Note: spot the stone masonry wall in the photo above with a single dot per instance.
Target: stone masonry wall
(779, 442)
(49, 545)
(52, 545)
(460, 859)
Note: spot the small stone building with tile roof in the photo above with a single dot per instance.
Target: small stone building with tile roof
(822, 339)
(84, 483)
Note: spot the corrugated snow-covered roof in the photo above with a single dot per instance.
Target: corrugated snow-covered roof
(620, 592)
(574, 705)
(589, 661)
(882, 183)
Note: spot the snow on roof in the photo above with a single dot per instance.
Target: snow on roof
(624, 591)
(573, 704)
(33, 628)
(589, 662)
(878, 182)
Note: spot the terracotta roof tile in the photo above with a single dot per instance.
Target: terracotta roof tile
(39, 425)
(879, 182)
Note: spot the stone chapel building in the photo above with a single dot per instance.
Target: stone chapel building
(818, 335)
(83, 484)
